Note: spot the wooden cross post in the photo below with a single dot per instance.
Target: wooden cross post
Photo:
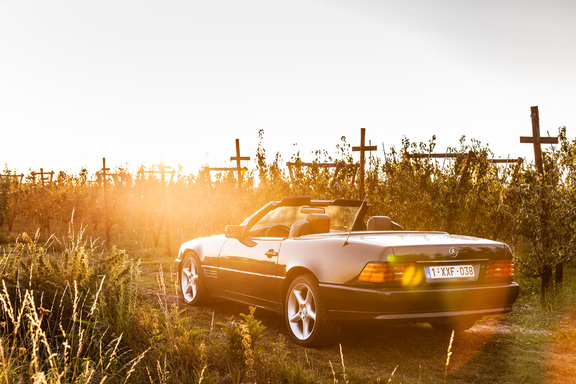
(239, 158)
(238, 167)
(537, 141)
(164, 169)
(362, 149)
(44, 176)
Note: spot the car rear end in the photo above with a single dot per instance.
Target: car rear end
(432, 277)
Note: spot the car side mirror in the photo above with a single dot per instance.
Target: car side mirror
(234, 231)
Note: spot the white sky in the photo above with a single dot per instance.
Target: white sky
(144, 82)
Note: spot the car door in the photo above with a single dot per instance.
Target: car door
(248, 269)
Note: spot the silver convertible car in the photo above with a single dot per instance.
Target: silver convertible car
(320, 263)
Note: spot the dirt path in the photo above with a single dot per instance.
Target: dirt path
(560, 355)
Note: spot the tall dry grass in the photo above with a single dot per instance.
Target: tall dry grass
(63, 307)
(73, 351)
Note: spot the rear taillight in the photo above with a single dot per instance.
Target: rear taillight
(500, 269)
(374, 272)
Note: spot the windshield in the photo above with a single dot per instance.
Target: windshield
(341, 217)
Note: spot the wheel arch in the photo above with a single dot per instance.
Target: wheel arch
(182, 255)
(195, 252)
(202, 248)
(324, 330)
(292, 274)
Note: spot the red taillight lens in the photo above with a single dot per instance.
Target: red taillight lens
(389, 273)
(500, 269)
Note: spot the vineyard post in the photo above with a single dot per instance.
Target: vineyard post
(44, 176)
(238, 167)
(239, 158)
(362, 149)
(537, 141)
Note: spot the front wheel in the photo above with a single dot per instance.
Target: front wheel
(192, 285)
(306, 314)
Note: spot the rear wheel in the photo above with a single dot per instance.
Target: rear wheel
(192, 286)
(306, 313)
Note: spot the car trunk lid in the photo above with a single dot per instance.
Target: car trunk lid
(435, 246)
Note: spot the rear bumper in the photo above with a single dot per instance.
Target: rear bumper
(413, 305)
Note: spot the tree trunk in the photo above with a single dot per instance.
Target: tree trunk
(559, 275)
(546, 283)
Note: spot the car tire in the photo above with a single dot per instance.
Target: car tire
(192, 288)
(457, 324)
(306, 315)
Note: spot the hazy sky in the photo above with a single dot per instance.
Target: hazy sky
(143, 82)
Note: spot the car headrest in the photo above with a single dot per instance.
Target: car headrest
(319, 222)
(382, 223)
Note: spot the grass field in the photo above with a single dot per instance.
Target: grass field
(531, 345)
(73, 311)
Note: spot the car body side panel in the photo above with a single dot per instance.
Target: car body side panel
(208, 251)
(328, 258)
(248, 270)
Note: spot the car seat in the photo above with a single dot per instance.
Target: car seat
(313, 223)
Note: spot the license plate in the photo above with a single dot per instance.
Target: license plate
(450, 272)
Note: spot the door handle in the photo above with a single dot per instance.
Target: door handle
(271, 253)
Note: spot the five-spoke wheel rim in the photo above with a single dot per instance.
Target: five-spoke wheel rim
(301, 311)
(189, 279)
